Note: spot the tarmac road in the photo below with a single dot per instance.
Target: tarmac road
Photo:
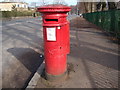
(22, 50)
(22, 47)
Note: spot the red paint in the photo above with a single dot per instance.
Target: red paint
(55, 52)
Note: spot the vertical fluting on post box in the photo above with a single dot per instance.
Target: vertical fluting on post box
(56, 40)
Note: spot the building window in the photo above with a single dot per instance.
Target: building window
(18, 5)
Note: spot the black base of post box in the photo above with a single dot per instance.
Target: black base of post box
(56, 78)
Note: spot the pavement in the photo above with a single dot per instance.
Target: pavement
(22, 50)
(92, 62)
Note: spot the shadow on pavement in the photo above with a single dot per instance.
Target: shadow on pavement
(98, 56)
(30, 59)
(100, 67)
(100, 63)
(84, 24)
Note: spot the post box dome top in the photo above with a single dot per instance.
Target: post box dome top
(53, 8)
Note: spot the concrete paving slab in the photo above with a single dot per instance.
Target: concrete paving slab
(94, 59)
(33, 82)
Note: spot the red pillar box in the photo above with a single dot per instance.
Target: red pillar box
(56, 40)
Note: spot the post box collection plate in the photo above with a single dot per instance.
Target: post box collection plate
(51, 34)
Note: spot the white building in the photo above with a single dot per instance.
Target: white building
(9, 6)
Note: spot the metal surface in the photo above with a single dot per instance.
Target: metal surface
(56, 47)
(54, 8)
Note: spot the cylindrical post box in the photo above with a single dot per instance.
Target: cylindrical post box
(56, 40)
